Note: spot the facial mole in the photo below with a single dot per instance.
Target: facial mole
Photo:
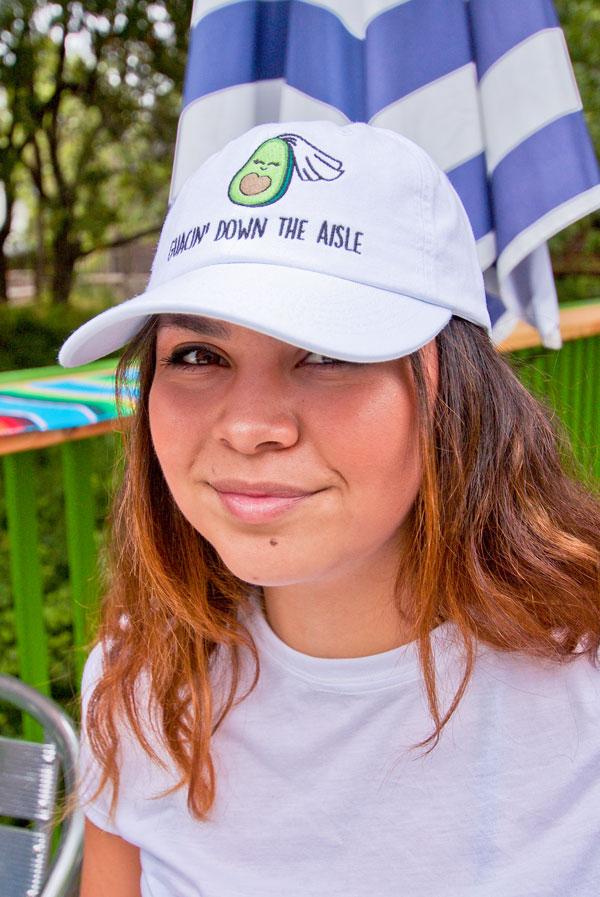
(272, 541)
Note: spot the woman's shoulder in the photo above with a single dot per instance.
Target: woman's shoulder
(147, 714)
(93, 669)
(99, 659)
(533, 684)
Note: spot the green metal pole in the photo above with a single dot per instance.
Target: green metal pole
(577, 350)
(563, 387)
(26, 579)
(551, 366)
(590, 405)
(537, 374)
(81, 550)
(594, 378)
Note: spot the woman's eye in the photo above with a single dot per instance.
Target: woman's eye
(324, 360)
(194, 356)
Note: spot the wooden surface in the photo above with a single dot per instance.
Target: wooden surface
(575, 323)
(24, 442)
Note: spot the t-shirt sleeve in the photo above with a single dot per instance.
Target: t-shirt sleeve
(97, 810)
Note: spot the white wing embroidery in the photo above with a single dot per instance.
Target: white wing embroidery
(310, 162)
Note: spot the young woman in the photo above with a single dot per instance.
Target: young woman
(349, 644)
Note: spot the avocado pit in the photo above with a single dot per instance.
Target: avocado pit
(253, 184)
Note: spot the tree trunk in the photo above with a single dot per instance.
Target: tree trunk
(3, 277)
(4, 232)
(40, 266)
(63, 275)
(65, 252)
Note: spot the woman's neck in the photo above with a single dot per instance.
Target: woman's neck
(350, 619)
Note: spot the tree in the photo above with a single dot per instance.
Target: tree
(97, 135)
(576, 249)
(15, 121)
(9, 160)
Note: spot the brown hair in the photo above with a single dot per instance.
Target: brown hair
(505, 543)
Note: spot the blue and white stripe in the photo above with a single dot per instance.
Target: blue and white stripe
(485, 86)
(47, 415)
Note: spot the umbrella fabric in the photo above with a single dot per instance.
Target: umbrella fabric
(485, 86)
(54, 401)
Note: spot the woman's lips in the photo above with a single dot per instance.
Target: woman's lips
(259, 508)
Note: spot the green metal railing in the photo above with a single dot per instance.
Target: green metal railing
(19, 478)
(78, 516)
(569, 382)
(567, 379)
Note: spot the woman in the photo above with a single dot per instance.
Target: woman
(350, 639)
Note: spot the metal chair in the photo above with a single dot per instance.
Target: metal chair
(28, 790)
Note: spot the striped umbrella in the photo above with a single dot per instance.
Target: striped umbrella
(485, 86)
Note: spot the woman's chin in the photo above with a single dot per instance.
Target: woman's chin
(256, 577)
(265, 572)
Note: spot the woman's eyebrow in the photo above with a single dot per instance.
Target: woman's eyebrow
(198, 323)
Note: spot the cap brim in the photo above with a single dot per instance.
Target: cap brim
(304, 308)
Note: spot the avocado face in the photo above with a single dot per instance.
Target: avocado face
(266, 175)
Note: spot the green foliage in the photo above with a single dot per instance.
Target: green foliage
(577, 288)
(55, 583)
(580, 20)
(89, 102)
(31, 336)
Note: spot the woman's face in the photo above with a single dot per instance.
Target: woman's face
(228, 403)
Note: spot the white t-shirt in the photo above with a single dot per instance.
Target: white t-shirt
(318, 796)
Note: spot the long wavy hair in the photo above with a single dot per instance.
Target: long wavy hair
(504, 543)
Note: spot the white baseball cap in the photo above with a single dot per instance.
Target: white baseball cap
(347, 240)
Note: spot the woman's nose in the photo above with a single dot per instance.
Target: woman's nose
(257, 416)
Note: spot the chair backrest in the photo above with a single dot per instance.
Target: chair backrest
(28, 791)
(28, 779)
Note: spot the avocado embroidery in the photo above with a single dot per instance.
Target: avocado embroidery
(266, 175)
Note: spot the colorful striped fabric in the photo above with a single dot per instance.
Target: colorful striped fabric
(50, 399)
(485, 86)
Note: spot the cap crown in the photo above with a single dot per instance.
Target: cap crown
(357, 202)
